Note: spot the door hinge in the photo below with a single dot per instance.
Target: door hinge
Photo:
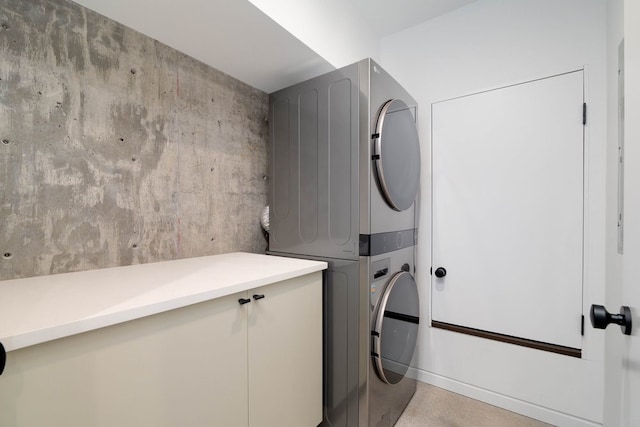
(582, 326)
(584, 113)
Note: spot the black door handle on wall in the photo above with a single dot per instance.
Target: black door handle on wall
(440, 272)
(257, 297)
(244, 301)
(601, 318)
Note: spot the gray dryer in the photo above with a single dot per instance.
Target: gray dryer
(345, 169)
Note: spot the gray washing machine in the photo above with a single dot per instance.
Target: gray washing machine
(345, 169)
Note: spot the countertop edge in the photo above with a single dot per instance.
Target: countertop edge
(87, 324)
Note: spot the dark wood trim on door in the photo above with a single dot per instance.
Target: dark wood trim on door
(554, 348)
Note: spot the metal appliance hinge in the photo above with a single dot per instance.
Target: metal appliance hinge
(584, 113)
(582, 326)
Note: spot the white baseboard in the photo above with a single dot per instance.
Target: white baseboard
(514, 405)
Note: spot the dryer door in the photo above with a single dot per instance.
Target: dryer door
(395, 329)
(396, 155)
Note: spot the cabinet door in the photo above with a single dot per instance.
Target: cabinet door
(185, 367)
(508, 210)
(285, 354)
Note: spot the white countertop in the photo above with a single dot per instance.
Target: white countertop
(44, 308)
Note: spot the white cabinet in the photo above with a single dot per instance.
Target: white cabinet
(216, 363)
(285, 354)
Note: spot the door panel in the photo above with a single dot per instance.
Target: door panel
(622, 374)
(183, 367)
(397, 155)
(395, 329)
(508, 210)
(285, 353)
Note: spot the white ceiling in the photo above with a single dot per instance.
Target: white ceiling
(230, 35)
(237, 38)
(391, 16)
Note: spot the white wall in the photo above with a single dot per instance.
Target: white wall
(332, 28)
(492, 43)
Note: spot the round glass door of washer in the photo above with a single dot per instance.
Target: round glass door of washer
(396, 155)
(395, 328)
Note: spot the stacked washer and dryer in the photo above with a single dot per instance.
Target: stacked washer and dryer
(345, 169)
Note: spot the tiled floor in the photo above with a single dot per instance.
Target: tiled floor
(434, 407)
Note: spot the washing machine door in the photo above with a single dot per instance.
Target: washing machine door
(396, 155)
(395, 328)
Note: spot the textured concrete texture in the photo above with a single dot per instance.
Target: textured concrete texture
(116, 149)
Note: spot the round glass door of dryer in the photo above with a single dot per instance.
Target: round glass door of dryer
(396, 155)
(395, 328)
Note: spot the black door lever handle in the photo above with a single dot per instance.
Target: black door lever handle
(440, 272)
(601, 318)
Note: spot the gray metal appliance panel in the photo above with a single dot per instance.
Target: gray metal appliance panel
(343, 338)
(314, 166)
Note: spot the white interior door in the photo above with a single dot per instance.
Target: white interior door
(508, 197)
(622, 393)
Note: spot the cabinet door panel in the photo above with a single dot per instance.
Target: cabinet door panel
(285, 354)
(185, 367)
(508, 210)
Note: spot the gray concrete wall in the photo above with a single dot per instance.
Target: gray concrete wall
(116, 149)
